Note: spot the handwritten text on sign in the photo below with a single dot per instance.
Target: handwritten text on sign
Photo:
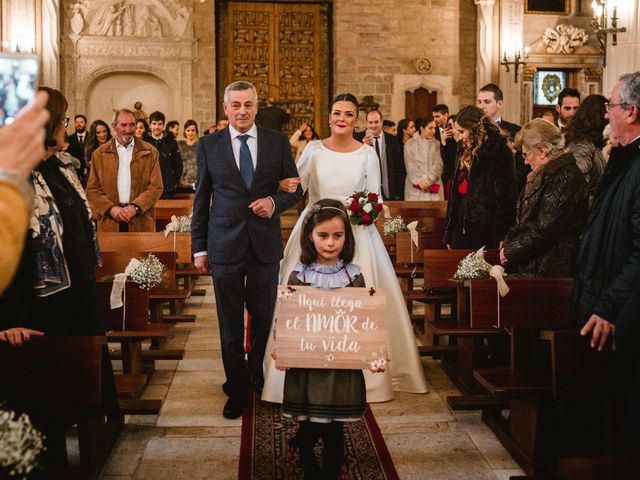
(338, 328)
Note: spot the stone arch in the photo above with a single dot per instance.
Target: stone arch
(121, 88)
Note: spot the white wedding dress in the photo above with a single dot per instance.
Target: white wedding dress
(329, 174)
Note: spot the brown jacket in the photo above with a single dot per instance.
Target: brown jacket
(14, 220)
(146, 185)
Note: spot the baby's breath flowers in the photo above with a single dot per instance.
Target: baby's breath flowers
(20, 444)
(149, 273)
(184, 223)
(472, 267)
(394, 225)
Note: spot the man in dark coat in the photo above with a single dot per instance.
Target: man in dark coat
(236, 231)
(390, 155)
(169, 154)
(448, 145)
(76, 144)
(490, 99)
(609, 260)
(272, 116)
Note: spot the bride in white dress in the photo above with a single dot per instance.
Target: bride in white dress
(335, 168)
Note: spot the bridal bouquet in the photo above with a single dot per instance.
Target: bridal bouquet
(394, 225)
(20, 444)
(363, 207)
(472, 267)
(148, 273)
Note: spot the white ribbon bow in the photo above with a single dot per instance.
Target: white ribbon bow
(497, 272)
(386, 211)
(413, 231)
(172, 226)
(117, 298)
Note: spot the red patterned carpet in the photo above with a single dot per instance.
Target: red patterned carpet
(264, 452)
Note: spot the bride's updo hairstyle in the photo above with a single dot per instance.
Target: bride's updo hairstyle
(346, 97)
(321, 211)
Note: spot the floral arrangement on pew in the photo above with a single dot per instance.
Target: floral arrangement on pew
(363, 208)
(181, 224)
(148, 272)
(20, 444)
(391, 226)
(474, 267)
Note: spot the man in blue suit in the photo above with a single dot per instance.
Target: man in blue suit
(235, 231)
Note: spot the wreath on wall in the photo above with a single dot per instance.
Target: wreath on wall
(551, 86)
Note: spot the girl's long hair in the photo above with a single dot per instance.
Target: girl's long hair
(481, 127)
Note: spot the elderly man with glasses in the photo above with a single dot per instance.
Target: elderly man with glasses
(607, 296)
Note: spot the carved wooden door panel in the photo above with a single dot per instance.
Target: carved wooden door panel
(282, 48)
(420, 103)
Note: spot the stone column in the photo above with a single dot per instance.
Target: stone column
(511, 33)
(485, 42)
(51, 43)
(625, 56)
(528, 72)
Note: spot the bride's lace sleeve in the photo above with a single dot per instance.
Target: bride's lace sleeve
(372, 180)
(305, 162)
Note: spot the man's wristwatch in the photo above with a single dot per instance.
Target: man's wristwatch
(138, 209)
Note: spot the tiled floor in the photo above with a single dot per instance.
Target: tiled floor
(191, 440)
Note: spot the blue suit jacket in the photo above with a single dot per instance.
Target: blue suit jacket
(222, 223)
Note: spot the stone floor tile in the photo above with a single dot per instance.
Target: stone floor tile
(507, 474)
(446, 455)
(190, 458)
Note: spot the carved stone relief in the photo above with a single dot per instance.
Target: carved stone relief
(125, 18)
(593, 74)
(564, 39)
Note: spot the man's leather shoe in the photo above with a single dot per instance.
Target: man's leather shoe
(233, 409)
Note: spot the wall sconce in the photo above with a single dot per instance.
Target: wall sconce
(516, 62)
(599, 25)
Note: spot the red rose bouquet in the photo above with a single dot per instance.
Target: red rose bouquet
(363, 207)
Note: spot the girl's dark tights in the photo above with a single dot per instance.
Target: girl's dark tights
(332, 455)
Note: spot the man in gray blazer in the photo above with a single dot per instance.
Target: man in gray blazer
(235, 231)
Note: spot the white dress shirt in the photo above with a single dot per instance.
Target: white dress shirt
(124, 171)
(252, 143)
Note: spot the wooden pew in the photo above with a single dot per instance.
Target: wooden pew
(147, 242)
(467, 345)
(155, 242)
(410, 211)
(58, 379)
(116, 262)
(165, 209)
(130, 332)
(532, 304)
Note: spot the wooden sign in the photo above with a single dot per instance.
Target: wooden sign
(342, 328)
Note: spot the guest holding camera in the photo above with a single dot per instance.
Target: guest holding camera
(54, 291)
(423, 163)
(21, 149)
(552, 208)
(300, 138)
